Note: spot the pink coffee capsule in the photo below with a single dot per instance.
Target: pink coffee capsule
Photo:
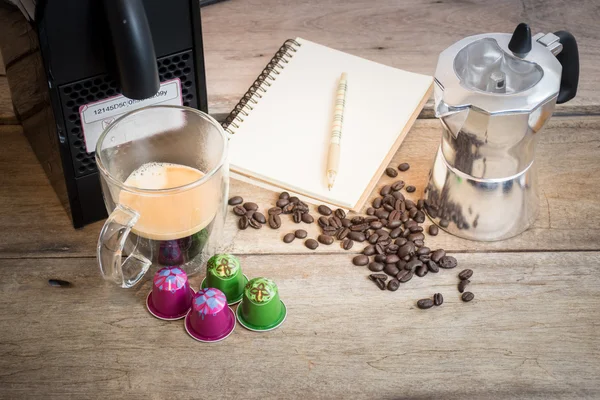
(171, 295)
(210, 318)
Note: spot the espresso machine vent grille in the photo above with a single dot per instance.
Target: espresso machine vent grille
(73, 95)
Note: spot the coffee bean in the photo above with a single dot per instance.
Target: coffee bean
(357, 236)
(369, 250)
(387, 189)
(409, 224)
(392, 249)
(360, 260)
(420, 217)
(347, 244)
(274, 221)
(419, 243)
(404, 217)
(377, 202)
(381, 277)
(423, 251)
(401, 264)
(307, 218)
(380, 258)
(311, 244)
(463, 284)
(335, 222)
(324, 210)
(384, 242)
(302, 208)
(421, 271)
(376, 267)
(370, 211)
(360, 227)
(239, 211)
(413, 213)
(243, 222)
(300, 233)
(424, 304)
(416, 229)
(323, 222)
(235, 200)
(340, 213)
(392, 259)
(394, 233)
(389, 199)
(282, 203)
(297, 217)
(398, 185)
(394, 224)
(407, 250)
(346, 223)
(250, 206)
(413, 264)
(380, 283)
(289, 208)
(343, 233)
(416, 236)
(404, 167)
(398, 195)
(393, 284)
(405, 278)
(401, 273)
(420, 204)
(465, 274)
(381, 213)
(289, 238)
(444, 223)
(294, 200)
(467, 296)
(373, 238)
(325, 239)
(391, 172)
(433, 230)
(330, 230)
(406, 233)
(284, 195)
(448, 262)
(410, 189)
(438, 299)
(274, 211)
(254, 223)
(432, 266)
(370, 219)
(437, 255)
(260, 217)
(376, 225)
(391, 269)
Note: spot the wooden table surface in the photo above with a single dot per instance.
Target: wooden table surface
(533, 330)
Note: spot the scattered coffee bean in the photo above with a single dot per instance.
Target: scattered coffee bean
(377, 202)
(297, 217)
(393, 284)
(398, 196)
(397, 186)
(465, 274)
(467, 296)
(380, 283)
(251, 206)
(289, 238)
(463, 284)
(416, 236)
(357, 236)
(416, 229)
(404, 167)
(370, 211)
(324, 210)
(340, 213)
(284, 195)
(392, 249)
(343, 233)
(376, 225)
(376, 267)
(392, 259)
(282, 203)
(335, 222)
(437, 255)
(260, 217)
(424, 304)
(420, 204)
(423, 251)
(274, 221)
(300, 233)
(235, 200)
(360, 260)
(325, 239)
(347, 244)
(444, 223)
(274, 211)
(380, 258)
(370, 219)
(346, 223)
(373, 238)
(387, 189)
(239, 211)
(395, 233)
(307, 218)
(393, 224)
(438, 299)
(382, 277)
(447, 262)
(407, 277)
(323, 222)
(410, 189)
(243, 222)
(369, 250)
(357, 220)
(294, 200)
(413, 264)
(432, 266)
(391, 269)
(311, 244)
(421, 271)
(407, 249)
(420, 217)
(254, 223)
(330, 230)
(391, 172)
(402, 273)
(433, 230)
(360, 227)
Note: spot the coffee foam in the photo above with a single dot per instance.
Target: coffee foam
(169, 216)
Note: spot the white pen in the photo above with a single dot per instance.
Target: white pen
(333, 159)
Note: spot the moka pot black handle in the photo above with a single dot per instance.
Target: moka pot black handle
(569, 59)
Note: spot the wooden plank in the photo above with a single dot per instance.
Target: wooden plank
(241, 36)
(35, 224)
(7, 113)
(531, 332)
(2, 69)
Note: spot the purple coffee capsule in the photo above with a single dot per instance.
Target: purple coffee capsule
(210, 318)
(171, 295)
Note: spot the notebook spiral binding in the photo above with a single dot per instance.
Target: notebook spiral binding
(260, 85)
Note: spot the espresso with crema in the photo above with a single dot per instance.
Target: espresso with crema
(177, 222)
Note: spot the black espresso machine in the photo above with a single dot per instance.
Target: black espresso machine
(84, 63)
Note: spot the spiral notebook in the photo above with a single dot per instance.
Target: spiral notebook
(280, 129)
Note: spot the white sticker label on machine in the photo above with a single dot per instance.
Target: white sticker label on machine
(97, 116)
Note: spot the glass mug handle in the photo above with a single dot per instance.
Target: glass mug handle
(111, 244)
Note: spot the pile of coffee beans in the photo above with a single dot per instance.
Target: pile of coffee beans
(248, 213)
(287, 204)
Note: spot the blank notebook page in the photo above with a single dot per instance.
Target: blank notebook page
(284, 140)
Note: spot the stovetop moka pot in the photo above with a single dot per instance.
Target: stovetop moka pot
(493, 94)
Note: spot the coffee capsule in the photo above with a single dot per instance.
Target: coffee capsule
(171, 295)
(223, 271)
(210, 318)
(261, 309)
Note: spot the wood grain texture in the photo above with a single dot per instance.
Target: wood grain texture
(241, 36)
(7, 113)
(35, 224)
(531, 332)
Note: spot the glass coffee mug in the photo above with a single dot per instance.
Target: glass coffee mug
(165, 179)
